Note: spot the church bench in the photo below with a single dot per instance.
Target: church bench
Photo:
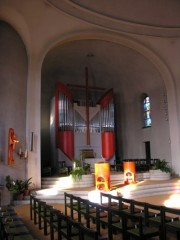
(139, 230)
(173, 225)
(72, 203)
(12, 226)
(47, 217)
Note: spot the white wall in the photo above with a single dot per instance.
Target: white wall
(131, 123)
(13, 90)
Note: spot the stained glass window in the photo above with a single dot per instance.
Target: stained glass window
(147, 111)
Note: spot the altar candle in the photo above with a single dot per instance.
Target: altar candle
(25, 154)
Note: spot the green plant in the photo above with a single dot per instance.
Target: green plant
(76, 162)
(77, 173)
(162, 165)
(79, 169)
(27, 183)
(10, 184)
(17, 186)
(86, 167)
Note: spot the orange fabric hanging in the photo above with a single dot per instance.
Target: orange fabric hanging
(66, 143)
(107, 144)
(107, 128)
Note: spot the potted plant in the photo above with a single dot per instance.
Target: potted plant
(27, 183)
(19, 189)
(86, 167)
(16, 187)
(77, 173)
(10, 183)
(161, 165)
(76, 163)
(160, 170)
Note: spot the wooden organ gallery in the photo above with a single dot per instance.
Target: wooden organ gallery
(90, 123)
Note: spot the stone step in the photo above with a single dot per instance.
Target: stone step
(142, 189)
(152, 189)
(53, 188)
(58, 196)
(61, 182)
(133, 191)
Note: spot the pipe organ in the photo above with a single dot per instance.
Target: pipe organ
(80, 124)
(71, 118)
(107, 125)
(64, 120)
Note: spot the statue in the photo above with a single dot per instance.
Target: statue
(12, 140)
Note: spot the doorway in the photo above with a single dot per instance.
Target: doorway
(148, 150)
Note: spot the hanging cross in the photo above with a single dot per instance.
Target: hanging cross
(87, 108)
(87, 88)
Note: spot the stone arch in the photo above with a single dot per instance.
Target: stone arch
(152, 57)
(8, 15)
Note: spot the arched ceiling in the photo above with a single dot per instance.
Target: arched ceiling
(112, 65)
(158, 18)
(109, 65)
(159, 13)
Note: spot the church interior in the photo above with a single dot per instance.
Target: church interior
(89, 89)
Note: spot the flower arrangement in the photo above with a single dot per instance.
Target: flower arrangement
(79, 169)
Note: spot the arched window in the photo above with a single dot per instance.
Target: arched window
(147, 111)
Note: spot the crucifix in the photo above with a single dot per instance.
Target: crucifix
(87, 89)
(87, 108)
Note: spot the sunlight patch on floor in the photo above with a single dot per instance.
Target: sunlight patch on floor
(173, 201)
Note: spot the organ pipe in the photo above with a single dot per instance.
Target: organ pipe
(107, 125)
(64, 120)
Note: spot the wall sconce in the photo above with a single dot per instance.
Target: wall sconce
(23, 154)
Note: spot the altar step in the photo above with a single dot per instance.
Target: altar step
(141, 189)
(53, 191)
(116, 177)
(58, 197)
(151, 188)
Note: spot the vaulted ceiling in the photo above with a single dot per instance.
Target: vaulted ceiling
(109, 66)
(156, 18)
(112, 65)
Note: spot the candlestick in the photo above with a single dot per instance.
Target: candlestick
(20, 151)
(25, 153)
